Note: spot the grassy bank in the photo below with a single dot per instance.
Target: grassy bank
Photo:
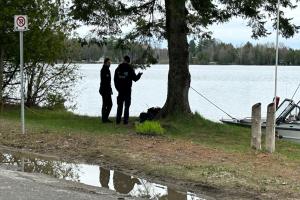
(192, 150)
(195, 128)
(60, 121)
(225, 137)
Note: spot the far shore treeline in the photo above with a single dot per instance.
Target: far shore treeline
(204, 52)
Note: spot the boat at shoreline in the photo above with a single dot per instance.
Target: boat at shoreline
(287, 115)
(287, 121)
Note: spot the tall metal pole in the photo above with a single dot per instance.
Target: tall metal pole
(276, 59)
(22, 83)
(272, 125)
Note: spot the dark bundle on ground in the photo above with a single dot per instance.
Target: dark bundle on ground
(150, 114)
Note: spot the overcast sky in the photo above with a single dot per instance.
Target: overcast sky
(237, 33)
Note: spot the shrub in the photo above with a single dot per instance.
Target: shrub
(149, 128)
(55, 102)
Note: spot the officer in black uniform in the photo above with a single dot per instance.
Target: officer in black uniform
(106, 90)
(124, 75)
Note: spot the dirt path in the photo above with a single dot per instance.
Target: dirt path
(180, 163)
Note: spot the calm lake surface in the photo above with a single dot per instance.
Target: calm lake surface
(233, 88)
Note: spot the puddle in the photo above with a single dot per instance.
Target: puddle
(95, 176)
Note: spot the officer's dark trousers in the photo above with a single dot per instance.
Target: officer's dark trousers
(123, 98)
(106, 106)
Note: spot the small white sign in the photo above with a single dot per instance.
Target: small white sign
(21, 23)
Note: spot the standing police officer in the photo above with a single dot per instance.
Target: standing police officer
(105, 90)
(124, 75)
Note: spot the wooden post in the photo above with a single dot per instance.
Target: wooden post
(270, 128)
(256, 126)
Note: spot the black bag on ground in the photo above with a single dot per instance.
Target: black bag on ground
(150, 114)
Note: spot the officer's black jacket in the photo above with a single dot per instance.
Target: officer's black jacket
(105, 85)
(124, 75)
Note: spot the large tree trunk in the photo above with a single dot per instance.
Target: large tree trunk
(1, 76)
(179, 77)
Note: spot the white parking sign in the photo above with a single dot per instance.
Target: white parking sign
(21, 23)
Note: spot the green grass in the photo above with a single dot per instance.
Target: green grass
(149, 128)
(229, 138)
(201, 130)
(61, 121)
(193, 127)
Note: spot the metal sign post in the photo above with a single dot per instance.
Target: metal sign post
(276, 59)
(21, 25)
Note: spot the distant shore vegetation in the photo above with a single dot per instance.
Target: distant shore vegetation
(204, 52)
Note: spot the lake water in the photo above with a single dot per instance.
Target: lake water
(233, 88)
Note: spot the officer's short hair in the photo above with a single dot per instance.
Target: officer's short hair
(106, 60)
(127, 59)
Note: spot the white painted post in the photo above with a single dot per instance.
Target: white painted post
(270, 128)
(21, 25)
(276, 55)
(256, 126)
(22, 83)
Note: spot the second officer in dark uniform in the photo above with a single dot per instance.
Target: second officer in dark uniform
(106, 90)
(124, 75)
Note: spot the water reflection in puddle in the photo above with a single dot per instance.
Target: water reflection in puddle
(96, 176)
